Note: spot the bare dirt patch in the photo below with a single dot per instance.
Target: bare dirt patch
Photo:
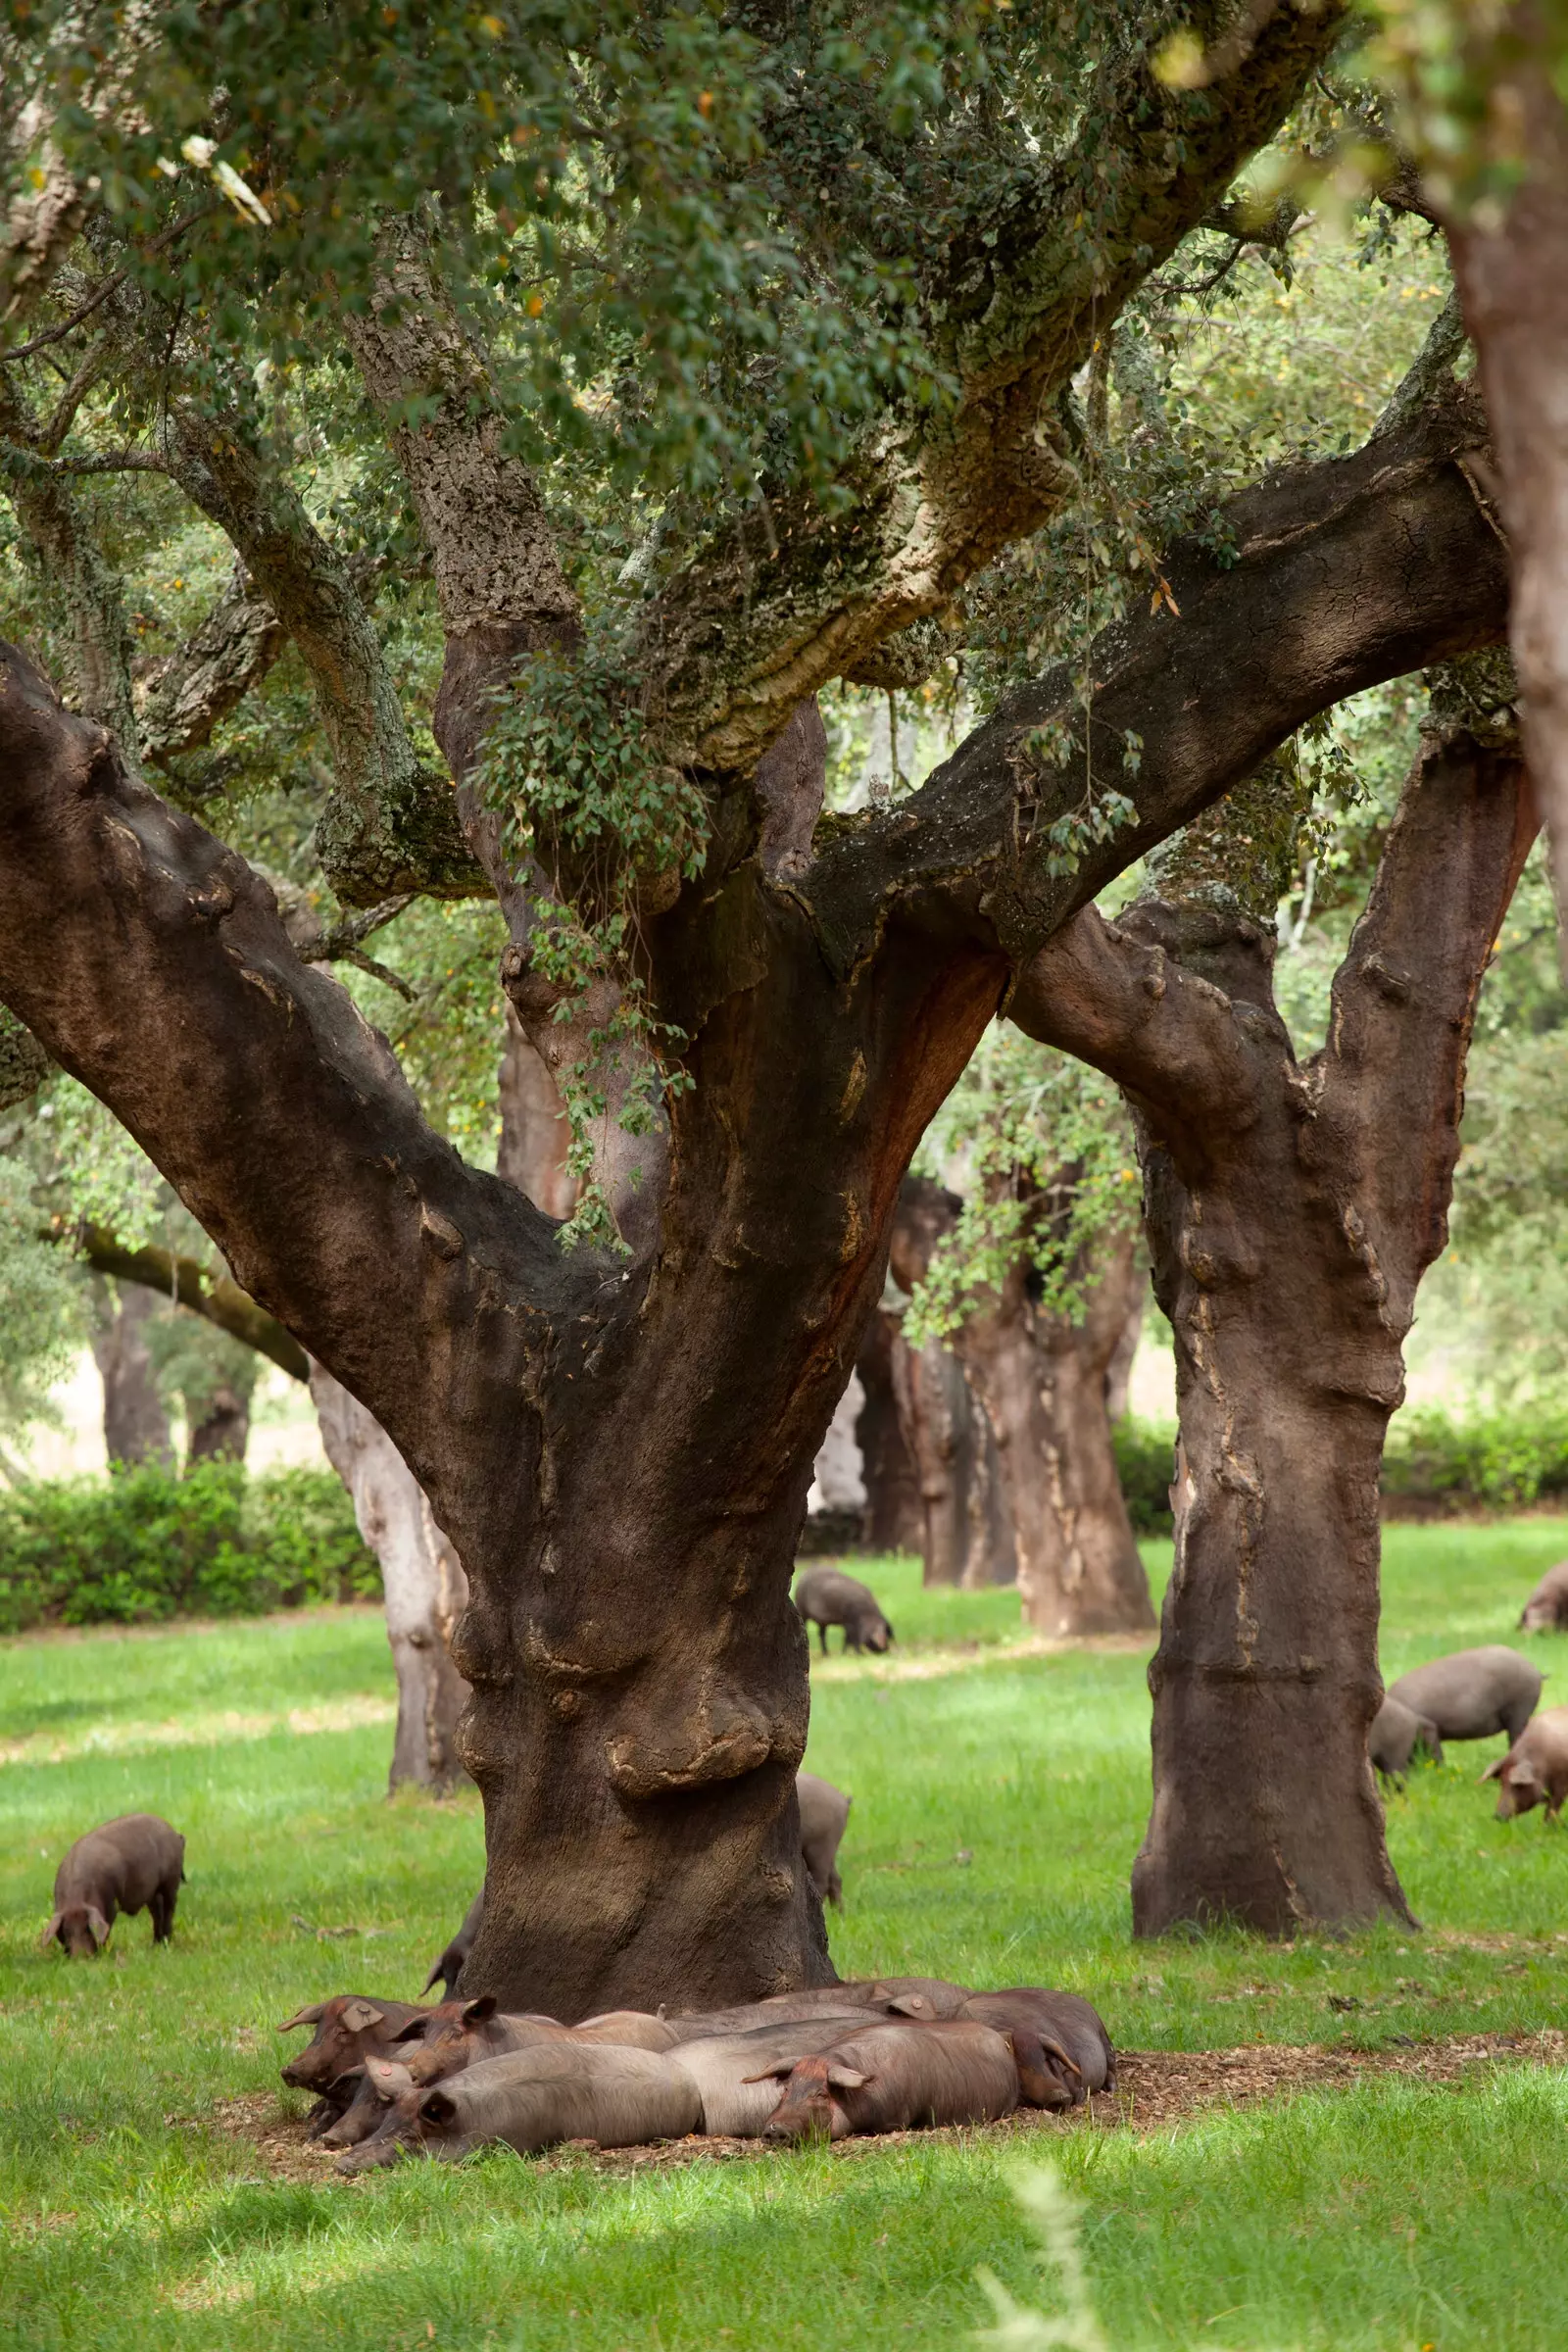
(1154, 2090)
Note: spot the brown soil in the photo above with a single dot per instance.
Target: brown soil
(1155, 2088)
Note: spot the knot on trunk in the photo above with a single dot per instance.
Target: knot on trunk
(721, 1737)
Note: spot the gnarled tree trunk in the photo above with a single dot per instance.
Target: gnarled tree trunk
(894, 1520)
(136, 1424)
(421, 1576)
(1291, 1210)
(221, 1431)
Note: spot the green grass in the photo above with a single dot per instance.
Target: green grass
(999, 1802)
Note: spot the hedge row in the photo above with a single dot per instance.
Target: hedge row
(1434, 1467)
(139, 1546)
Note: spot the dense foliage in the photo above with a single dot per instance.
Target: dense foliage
(139, 1546)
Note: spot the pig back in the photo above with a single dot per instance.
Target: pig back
(629, 2028)
(734, 2107)
(956, 2072)
(127, 1859)
(1063, 2017)
(612, 2093)
(1469, 1694)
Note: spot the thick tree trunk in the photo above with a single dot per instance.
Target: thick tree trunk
(894, 1520)
(136, 1424)
(1044, 1381)
(421, 1577)
(1291, 1212)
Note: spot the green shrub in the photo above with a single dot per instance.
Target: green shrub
(1436, 1466)
(137, 1545)
(1145, 1453)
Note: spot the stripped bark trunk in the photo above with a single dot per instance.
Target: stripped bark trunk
(1045, 1382)
(1291, 1211)
(136, 1424)
(427, 1591)
(534, 1135)
(894, 1518)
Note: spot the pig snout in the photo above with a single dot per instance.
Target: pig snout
(808, 2109)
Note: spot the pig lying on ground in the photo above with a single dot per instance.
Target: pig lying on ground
(377, 2085)
(347, 2029)
(464, 2033)
(1075, 2056)
(1546, 1609)
(1473, 1693)
(734, 2072)
(824, 1812)
(533, 2099)
(1395, 1734)
(909, 1996)
(897, 2078)
(1534, 1771)
(448, 1968)
(133, 1863)
(826, 1597)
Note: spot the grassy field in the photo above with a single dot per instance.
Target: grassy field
(999, 1796)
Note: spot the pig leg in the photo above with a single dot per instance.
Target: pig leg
(161, 1907)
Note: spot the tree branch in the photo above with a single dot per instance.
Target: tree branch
(1335, 575)
(229, 651)
(278, 1115)
(189, 1283)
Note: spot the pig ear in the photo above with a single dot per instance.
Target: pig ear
(911, 2004)
(474, 2013)
(360, 2016)
(302, 2016)
(1493, 1772)
(438, 2108)
(97, 1926)
(776, 2073)
(50, 1931)
(1520, 1776)
(413, 2030)
(845, 2078)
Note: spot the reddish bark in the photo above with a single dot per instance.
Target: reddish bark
(1291, 1210)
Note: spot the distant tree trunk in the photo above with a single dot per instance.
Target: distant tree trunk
(427, 1591)
(222, 1432)
(894, 1518)
(1044, 1381)
(534, 1134)
(1291, 1212)
(136, 1424)
(1119, 1370)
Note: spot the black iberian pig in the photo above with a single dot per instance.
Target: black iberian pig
(447, 1970)
(133, 1863)
(826, 1597)
(824, 1813)
(1472, 1694)
(1397, 1730)
(1534, 1771)
(1546, 1609)
(347, 2028)
(533, 2099)
(1071, 2053)
(897, 2078)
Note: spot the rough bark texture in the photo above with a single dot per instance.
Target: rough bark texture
(621, 1450)
(1291, 1210)
(421, 1576)
(1045, 1383)
(136, 1424)
(1514, 281)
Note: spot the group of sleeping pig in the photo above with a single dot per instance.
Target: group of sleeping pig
(886, 2054)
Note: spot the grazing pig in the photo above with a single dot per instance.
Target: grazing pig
(133, 1863)
(1395, 1734)
(826, 1597)
(1546, 1609)
(1534, 1771)
(1071, 2053)
(1473, 1693)
(347, 2029)
(533, 2099)
(734, 2072)
(824, 1812)
(897, 2078)
(447, 1970)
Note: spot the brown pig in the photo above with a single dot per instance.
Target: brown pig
(897, 2078)
(884, 1996)
(733, 2072)
(380, 2082)
(531, 2099)
(347, 2027)
(1534, 1771)
(1058, 2031)
(462, 2033)
(136, 1863)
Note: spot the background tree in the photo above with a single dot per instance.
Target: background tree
(633, 517)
